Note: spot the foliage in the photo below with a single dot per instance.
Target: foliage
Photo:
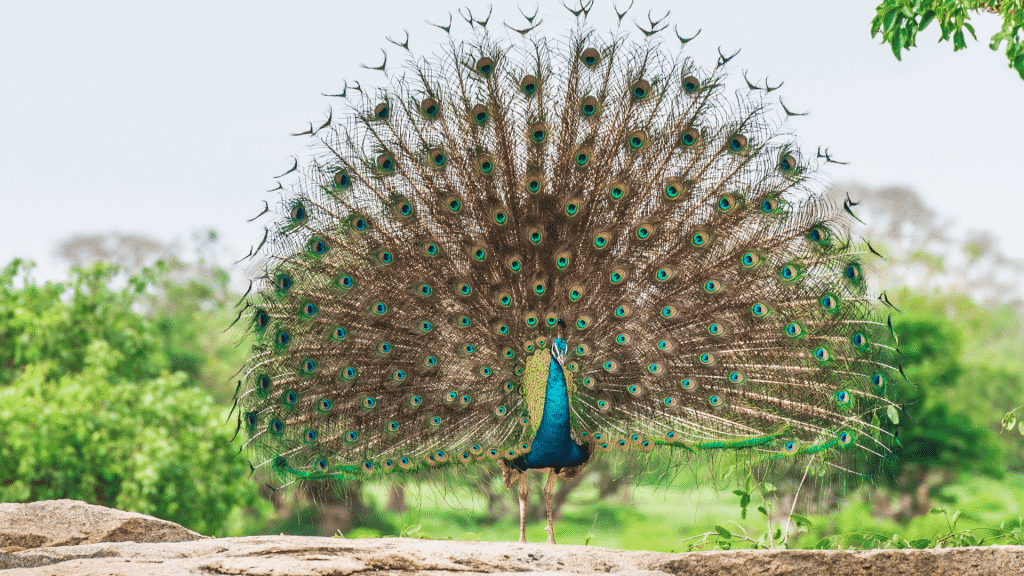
(91, 411)
(156, 321)
(1010, 420)
(189, 317)
(963, 359)
(938, 433)
(899, 21)
(777, 533)
(56, 322)
(187, 300)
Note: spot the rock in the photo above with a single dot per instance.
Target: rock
(71, 522)
(306, 555)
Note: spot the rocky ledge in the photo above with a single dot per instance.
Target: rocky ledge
(70, 537)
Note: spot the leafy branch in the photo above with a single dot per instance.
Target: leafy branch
(1010, 420)
(899, 21)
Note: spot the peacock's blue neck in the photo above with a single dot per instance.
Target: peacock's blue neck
(552, 445)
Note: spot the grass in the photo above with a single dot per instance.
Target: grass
(658, 518)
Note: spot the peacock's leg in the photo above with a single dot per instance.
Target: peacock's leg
(548, 491)
(523, 491)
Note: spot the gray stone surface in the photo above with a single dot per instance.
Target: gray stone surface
(304, 555)
(165, 551)
(71, 522)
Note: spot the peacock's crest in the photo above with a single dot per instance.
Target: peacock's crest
(588, 229)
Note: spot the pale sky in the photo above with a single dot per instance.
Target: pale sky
(163, 119)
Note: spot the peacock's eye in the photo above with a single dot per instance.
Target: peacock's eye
(878, 380)
(342, 179)
(485, 66)
(479, 114)
(787, 163)
(318, 246)
(738, 143)
(429, 108)
(529, 84)
(636, 139)
(385, 163)
(589, 106)
(689, 137)
(640, 89)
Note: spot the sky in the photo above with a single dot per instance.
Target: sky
(169, 118)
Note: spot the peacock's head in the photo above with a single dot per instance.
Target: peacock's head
(558, 350)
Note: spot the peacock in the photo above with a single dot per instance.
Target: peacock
(526, 252)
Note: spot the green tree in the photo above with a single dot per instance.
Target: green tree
(899, 21)
(963, 379)
(190, 317)
(56, 322)
(186, 297)
(90, 409)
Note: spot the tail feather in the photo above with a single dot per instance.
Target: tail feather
(712, 299)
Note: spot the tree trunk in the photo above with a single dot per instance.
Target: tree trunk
(340, 508)
(396, 499)
(561, 494)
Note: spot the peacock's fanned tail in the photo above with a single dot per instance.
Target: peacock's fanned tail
(416, 278)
